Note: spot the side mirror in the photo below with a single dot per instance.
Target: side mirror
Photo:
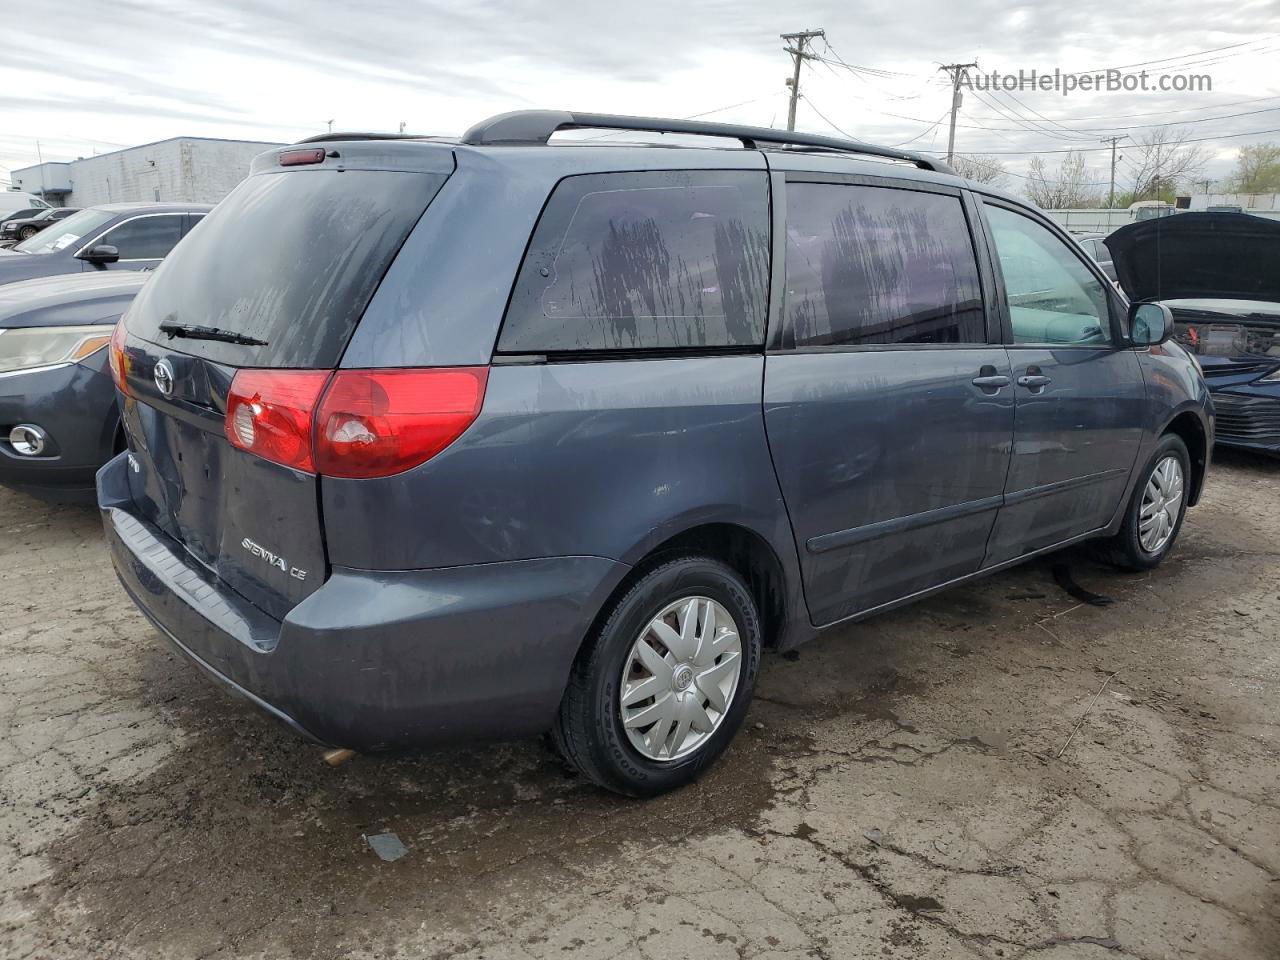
(101, 253)
(1149, 324)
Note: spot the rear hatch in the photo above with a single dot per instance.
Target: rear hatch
(264, 294)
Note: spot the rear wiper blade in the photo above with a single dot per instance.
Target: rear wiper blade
(192, 332)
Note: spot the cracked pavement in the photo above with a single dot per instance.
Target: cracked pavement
(998, 771)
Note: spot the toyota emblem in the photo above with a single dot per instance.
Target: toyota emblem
(164, 378)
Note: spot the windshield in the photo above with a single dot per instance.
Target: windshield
(67, 232)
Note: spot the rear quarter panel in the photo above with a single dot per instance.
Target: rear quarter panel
(606, 458)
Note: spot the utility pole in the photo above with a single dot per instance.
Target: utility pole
(43, 189)
(800, 38)
(1111, 194)
(402, 126)
(330, 123)
(957, 71)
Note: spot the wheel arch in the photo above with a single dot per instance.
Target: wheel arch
(746, 551)
(1189, 426)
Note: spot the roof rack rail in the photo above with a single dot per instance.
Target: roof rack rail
(537, 126)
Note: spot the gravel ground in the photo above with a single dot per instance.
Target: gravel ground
(907, 787)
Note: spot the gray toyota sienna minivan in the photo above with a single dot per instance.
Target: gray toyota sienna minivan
(433, 439)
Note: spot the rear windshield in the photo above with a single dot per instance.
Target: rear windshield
(287, 258)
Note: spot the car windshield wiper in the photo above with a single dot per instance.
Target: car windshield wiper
(209, 333)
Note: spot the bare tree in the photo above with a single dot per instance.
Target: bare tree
(1257, 169)
(1066, 186)
(1163, 160)
(980, 168)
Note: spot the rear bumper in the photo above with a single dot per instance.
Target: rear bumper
(1247, 422)
(374, 659)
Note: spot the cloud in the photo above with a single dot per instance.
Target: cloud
(142, 70)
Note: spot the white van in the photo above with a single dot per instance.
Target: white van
(12, 200)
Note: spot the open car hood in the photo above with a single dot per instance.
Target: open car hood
(1230, 256)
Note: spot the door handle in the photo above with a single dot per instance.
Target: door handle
(993, 382)
(1034, 381)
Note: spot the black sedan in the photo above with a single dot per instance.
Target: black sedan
(17, 229)
(109, 237)
(58, 416)
(1217, 273)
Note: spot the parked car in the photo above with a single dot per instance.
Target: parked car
(16, 229)
(1217, 273)
(113, 236)
(58, 416)
(1094, 244)
(432, 440)
(22, 213)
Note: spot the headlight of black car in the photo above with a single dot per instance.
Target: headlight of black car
(27, 347)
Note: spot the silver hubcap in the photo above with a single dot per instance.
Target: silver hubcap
(680, 678)
(1161, 504)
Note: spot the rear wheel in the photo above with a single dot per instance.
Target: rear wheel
(1156, 509)
(664, 684)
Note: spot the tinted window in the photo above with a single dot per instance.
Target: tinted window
(1053, 297)
(645, 261)
(875, 265)
(147, 238)
(290, 258)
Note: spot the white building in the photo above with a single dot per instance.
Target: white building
(1261, 204)
(188, 169)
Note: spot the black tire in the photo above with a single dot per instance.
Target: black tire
(588, 731)
(1125, 549)
(26, 233)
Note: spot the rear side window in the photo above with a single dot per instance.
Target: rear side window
(287, 258)
(661, 260)
(879, 265)
(146, 238)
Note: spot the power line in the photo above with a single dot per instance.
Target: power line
(847, 136)
(1181, 56)
(1024, 153)
(931, 128)
(876, 70)
(1158, 113)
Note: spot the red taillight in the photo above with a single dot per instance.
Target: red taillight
(297, 158)
(363, 424)
(269, 414)
(373, 423)
(119, 361)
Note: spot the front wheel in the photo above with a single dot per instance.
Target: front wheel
(663, 685)
(1156, 509)
(26, 233)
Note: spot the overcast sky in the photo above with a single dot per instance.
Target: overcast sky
(86, 77)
